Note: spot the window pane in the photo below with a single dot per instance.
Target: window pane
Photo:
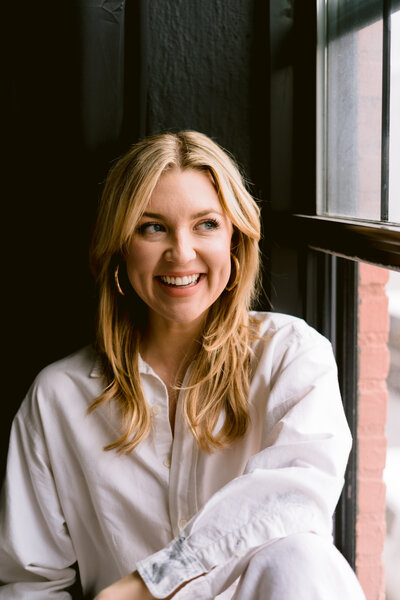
(353, 110)
(394, 151)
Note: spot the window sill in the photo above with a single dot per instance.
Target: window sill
(377, 243)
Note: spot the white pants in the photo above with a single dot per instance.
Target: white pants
(301, 566)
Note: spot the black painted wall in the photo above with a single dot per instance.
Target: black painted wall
(84, 80)
(199, 69)
(207, 70)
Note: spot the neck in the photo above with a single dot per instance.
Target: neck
(169, 347)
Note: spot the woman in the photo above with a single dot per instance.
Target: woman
(199, 447)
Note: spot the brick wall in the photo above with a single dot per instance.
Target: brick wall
(374, 359)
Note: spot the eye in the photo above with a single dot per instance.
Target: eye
(149, 228)
(209, 225)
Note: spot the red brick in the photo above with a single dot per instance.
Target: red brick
(372, 407)
(371, 537)
(373, 314)
(371, 495)
(372, 393)
(373, 288)
(373, 338)
(372, 274)
(373, 361)
(369, 387)
(371, 454)
(372, 579)
(372, 412)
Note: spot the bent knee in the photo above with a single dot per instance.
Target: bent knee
(306, 562)
(305, 544)
(297, 548)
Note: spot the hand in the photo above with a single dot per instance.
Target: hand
(130, 587)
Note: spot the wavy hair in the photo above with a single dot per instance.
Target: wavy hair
(219, 377)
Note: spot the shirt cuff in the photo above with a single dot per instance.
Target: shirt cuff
(164, 571)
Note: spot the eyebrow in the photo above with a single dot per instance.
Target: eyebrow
(198, 215)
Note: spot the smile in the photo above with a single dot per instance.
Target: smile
(181, 282)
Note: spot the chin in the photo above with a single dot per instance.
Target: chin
(185, 319)
(182, 317)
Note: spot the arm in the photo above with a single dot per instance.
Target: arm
(130, 587)
(35, 548)
(292, 485)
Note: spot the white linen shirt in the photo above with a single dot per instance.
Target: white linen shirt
(169, 509)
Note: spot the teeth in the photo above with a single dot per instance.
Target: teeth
(180, 281)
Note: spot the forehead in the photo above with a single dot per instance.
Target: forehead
(179, 189)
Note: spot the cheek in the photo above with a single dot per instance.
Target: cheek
(219, 256)
(139, 259)
(139, 267)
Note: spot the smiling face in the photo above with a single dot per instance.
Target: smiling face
(178, 259)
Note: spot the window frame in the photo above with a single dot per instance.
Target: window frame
(368, 241)
(312, 258)
(368, 11)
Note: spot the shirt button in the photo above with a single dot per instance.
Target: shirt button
(182, 523)
(167, 462)
(155, 410)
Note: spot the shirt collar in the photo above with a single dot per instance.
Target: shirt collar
(96, 370)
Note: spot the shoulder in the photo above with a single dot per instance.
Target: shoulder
(79, 365)
(285, 340)
(66, 383)
(286, 328)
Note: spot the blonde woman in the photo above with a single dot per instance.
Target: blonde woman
(198, 449)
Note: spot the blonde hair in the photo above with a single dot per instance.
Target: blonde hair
(219, 379)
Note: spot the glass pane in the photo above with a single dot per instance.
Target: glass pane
(394, 160)
(353, 106)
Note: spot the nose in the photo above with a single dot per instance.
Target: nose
(181, 248)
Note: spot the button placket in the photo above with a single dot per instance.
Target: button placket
(157, 396)
(183, 490)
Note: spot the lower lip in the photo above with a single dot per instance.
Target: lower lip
(183, 292)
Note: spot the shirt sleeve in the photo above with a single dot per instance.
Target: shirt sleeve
(292, 485)
(35, 549)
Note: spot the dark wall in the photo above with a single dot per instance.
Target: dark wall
(63, 124)
(84, 80)
(199, 59)
(206, 69)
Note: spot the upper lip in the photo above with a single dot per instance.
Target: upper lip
(175, 274)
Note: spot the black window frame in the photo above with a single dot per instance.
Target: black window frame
(313, 259)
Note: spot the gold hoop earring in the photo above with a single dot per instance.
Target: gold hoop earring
(116, 278)
(234, 283)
